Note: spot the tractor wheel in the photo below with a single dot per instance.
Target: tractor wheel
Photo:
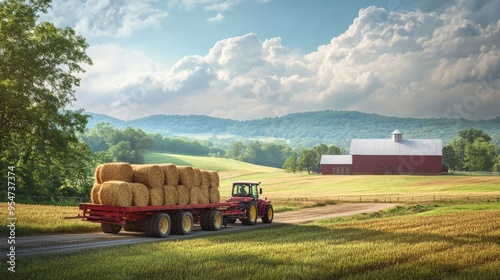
(157, 225)
(182, 223)
(268, 215)
(212, 220)
(110, 228)
(252, 214)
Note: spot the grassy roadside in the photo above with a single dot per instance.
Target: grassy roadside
(406, 242)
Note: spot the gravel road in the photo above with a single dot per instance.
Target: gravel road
(62, 243)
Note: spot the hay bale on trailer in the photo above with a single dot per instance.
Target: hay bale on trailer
(97, 174)
(195, 196)
(205, 194)
(205, 178)
(151, 175)
(116, 171)
(156, 196)
(94, 194)
(115, 193)
(171, 196)
(214, 180)
(170, 173)
(186, 176)
(184, 194)
(197, 177)
(140, 194)
(214, 195)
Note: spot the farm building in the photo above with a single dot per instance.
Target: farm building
(387, 156)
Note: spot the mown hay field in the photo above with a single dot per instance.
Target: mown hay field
(442, 243)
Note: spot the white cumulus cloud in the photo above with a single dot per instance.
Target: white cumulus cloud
(423, 63)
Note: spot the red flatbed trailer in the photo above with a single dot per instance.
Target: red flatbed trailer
(159, 221)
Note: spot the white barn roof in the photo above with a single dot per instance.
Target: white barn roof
(408, 147)
(336, 159)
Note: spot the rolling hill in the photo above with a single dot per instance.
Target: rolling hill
(305, 129)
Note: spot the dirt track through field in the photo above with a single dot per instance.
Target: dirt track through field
(62, 243)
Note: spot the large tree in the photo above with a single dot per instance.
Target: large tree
(38, 67)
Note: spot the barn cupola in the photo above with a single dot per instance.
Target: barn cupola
(397, 136)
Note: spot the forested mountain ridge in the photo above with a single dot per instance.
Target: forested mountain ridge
(306, 129)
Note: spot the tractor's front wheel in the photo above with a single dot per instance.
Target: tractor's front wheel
(252, 214)
(268, 215)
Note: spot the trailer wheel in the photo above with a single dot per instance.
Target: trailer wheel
(182, 223)
(132, 226)
(110, 228)
(252, 214)
(212, 220)
(268, 215)
(157, 225)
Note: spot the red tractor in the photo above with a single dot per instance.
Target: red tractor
(247, 196)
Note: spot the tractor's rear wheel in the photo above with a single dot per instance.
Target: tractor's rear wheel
(109, 228)
(268, 215)
(252, 214)
(182, 223)
(212, 220)
(157, 225)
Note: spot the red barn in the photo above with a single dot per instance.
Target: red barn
(387, 156)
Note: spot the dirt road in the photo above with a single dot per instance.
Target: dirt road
(37, 245)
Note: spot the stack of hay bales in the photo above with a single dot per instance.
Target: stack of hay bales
(123, 184)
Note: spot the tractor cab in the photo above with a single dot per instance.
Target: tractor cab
(246, 189)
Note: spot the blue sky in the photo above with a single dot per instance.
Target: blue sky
(247, 59)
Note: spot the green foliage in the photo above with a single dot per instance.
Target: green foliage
(38, 68)
(472, 151)
(291, 163)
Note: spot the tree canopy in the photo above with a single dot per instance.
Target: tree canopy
(38, 67)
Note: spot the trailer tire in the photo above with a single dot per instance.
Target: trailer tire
(110, 228)
(212, 220)
(157, 225)
(132, 226)
(252, 214)
(182, 223)
(268, 214)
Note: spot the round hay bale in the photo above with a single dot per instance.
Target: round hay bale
(195, 196)
(156, 196)
(214, 180)
(140, 194)
(94, 194)
(186, 175)
(97, 174)
(184, 194)
(205, 179)
(115, 193)
(170, 173)
(116, 171)
(197, 177)
(205, 195)
(150, 175)
(171, 196)
(214, 195)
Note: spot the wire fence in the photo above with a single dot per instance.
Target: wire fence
(427, 198)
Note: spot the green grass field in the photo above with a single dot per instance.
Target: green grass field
(408, 242)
